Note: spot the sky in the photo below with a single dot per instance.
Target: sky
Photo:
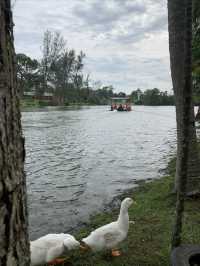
(125, 41)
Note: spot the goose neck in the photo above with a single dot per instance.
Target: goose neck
(123, 218)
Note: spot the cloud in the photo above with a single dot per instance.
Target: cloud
(106, 13)
(126, 42)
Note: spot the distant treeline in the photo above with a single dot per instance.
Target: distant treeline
(152, 97)
(58, 76)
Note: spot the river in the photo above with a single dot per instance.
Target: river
(79, 159)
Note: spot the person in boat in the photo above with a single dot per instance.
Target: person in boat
(125, 107)
(113, 107)
(120, 108)
(128, 108)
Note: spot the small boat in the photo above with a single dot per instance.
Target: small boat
(120, 104)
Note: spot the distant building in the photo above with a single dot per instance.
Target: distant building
(47, 96)
(29, 94)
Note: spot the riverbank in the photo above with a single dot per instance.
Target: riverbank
(26, 103)
(30, 103)
(148, 241)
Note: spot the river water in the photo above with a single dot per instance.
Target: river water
(78, 160)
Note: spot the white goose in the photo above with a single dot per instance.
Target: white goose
(110, 235)
(49, 247)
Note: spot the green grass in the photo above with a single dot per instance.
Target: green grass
(148, 241)
(31, 103)
(26, 103)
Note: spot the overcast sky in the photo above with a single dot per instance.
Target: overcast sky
(125, 41)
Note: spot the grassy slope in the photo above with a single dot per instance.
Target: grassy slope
(148, 241)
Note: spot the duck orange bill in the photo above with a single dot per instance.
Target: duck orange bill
(116, 253)
(56, 262)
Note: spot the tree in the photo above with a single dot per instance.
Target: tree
(177, 56)
(27, 72)
(136, 96)
(196, 50)
(63, 69)
(77, 75)
(14, 243)
(152, 97)
(52, 49)
(180, 37)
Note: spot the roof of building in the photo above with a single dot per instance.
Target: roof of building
(120, 98)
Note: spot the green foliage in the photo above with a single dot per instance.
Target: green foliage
(152, 97)
(27, 72)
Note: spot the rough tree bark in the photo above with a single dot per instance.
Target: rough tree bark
(14, 243)
(177, 52)
(180, 37)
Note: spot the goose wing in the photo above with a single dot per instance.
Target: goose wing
(113, 237)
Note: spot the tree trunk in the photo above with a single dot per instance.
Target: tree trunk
(180, 37)
(14, 243)
(177, 57)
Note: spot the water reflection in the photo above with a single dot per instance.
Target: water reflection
(79, 159)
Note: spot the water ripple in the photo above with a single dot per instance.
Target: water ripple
(79, 160)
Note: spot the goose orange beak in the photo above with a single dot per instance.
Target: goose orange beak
(57, 261)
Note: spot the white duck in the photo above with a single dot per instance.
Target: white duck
(49, 247)
(110, 235)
